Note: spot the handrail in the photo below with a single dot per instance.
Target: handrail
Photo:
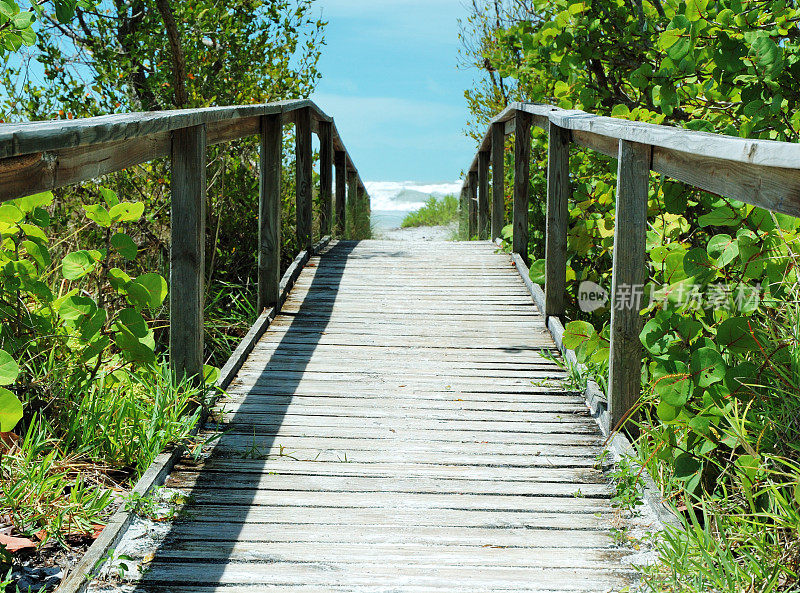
(46, 155)
(764, 173)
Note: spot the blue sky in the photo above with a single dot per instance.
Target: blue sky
(390, 81)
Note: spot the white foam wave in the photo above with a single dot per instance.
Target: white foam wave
(406, 196)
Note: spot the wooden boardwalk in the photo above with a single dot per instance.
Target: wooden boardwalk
(397, 429)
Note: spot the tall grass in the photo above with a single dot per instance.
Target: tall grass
(435, 212)
(59, 478)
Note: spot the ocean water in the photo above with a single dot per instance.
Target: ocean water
(392, 200)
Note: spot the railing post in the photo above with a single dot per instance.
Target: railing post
(558, 194)
(366, 205)
(463, 214)
(325, 175)
(269, 211)
(187, 251)
(341, 191)
(352, 201)
(472, 191)
(483, 194)
(628, 278)
(522, 174)
(303, 158)
(498, 178)
(362, 213)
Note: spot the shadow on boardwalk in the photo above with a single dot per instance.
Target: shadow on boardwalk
(251, 438)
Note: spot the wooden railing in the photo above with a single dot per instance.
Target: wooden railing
(762, 173)
(40, 156)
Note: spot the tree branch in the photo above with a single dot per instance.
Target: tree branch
(176, 51)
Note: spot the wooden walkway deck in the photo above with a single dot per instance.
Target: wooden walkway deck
(397, 429)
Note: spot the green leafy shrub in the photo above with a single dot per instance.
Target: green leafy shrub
(79, 360)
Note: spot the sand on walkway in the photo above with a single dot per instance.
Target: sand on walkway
(419, 233)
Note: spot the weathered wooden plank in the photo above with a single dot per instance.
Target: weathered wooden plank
(418, 367)
(628, 278)
(555, 433)
(404, 554)
(420, 485)
(304, 173)
(396, 588)
(287, 466)
(389, 575)
(399, 516)
(466, 587)
(31, 137)
(522, 174)
(33, 173)
(483, 195)
(498, 180)
(187, 251)
(269, 211)
(435, 452)
(435, 393)
(248, 499)
(530, 539)
(407, 406)
(768, 153)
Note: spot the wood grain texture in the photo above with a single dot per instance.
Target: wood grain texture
(522, 175)
(413, 445)
(187, 250)
(628, 278)
(304, 161)
(472, 196)
(463, 211)
(498, 180)
(483, 195)
(269, 211)
(558, 195)
(78, 150)
(352, 196)
(764, 173)
(326, 176)
(31, 137)
(339, 162)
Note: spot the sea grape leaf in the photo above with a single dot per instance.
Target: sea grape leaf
(9, 369)
(707, 366)
(576, 333)
(77, 264)
(125, 246)
(10, 410)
